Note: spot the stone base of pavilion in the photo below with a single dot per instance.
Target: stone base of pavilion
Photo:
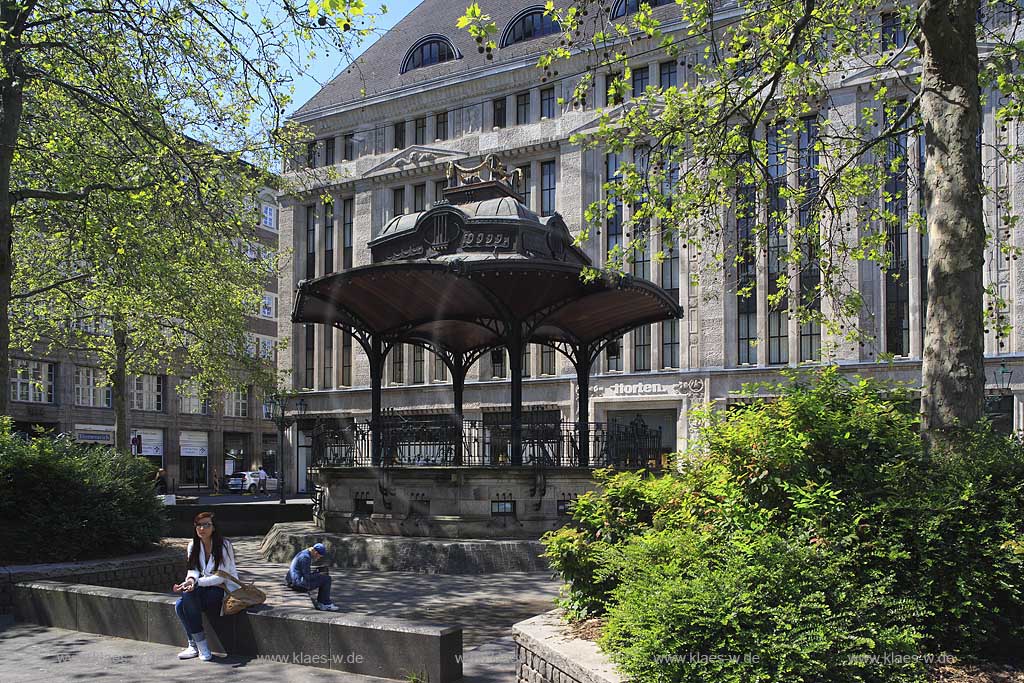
(450, 502)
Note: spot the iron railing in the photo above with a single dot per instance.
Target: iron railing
(412, 442)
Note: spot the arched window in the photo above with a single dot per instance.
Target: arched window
(624, 7)
(429, 50)
(527, 25)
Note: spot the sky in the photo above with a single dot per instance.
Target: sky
(324, 69)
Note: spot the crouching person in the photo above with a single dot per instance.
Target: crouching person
(302, 576)
(202, 590)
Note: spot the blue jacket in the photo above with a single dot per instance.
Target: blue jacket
(300, 569)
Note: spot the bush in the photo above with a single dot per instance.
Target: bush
(61, 500)
(814, 530)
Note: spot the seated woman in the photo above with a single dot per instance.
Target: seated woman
(202, 590)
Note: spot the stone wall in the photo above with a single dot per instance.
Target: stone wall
(546, 652)
(154, 571)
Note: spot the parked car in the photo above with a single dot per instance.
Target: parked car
(249, 481)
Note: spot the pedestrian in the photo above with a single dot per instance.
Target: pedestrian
(301, 576)
(203, 590)
(263, 480)
(160, 482)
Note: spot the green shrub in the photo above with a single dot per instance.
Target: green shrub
(63, 501)
(857, 531)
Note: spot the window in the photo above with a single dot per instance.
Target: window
(439, 187)
(328, 237)
(269, 217)
(147, 393)
(264, 347)
(564, 507)
(89, 388)
(329, 152)
(526, 183)
(668, 75)
(309, 334)
(746, 274)
(525, 366)
(268, 306)
(612, 95)
(897, 273)
(328, 382)
(191, 401)
(547, 188)
(547, 360)
(498, 109)
(642, 260)
(498, 364)
(547, 103)
(670, 328)
(418, 375)
(310, 242)
(400, 135)
(892, 34)
(527, 26)
(522, 108)
(420, 131)
(613, 355)
(641, 79)
(397, 201)
(441, 126)
(503, 508)
(362, 506)
(346, 359)
(440, 369)
(347, 208)
(778, 319)
(311, 154)
(624, 7)
(398, 364)
(32, 381)
(429, 50)
(642, 348)
(613, 223)
(419, 197)
(348, 147)
(236, 402)
(810, 270)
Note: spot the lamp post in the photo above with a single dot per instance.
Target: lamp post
(279, 403)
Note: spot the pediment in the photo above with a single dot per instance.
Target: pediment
(415, 157)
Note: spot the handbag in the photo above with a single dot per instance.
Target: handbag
(245, 596)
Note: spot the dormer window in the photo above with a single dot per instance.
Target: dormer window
(529, 24)
(429, 50)
(624, 7)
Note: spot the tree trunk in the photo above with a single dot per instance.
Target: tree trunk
(119, 385)
(953, 373)
(12, 104)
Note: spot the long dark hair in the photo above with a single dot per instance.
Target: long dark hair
(216, 540)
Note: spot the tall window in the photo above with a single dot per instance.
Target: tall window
(400, 135)
(420, 131)
(347, 210)
(642, 348)
(778, 319)
(441, 126)
(147, 393)
(892, 33)
(613, 225)
(897, 273)
(349, 146)
(498, 365)
(526, 360)
(439, 187)
(310, 242)
(526, 183)
(191, 400)
(311, 154)
(547, 103)
(419, 197)
(346, 359)
(670, 328)
(613, 355)
(309, 334)
(328, 237)
(236, 402)
(329, 152)
(668, 74)
(32, 380)
(397, 201)
(746, 274)
(547, 188)
(328, 382)
(268, 306)
(642, 258)
(810, 269)
(398, 364)
(641, 79)
(89, 388)
(612, 95)
(547, 360)
(498, 110)
(440, 369)
(522, 108)
(270, 217)
(418, 370)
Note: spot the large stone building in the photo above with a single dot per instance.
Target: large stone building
(193, 437)
(423, 96)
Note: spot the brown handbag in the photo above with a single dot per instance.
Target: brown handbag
(245, 596)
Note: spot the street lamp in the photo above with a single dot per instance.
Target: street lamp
(1003, 376)
(280, 417)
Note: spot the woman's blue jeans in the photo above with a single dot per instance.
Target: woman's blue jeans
(191, 605)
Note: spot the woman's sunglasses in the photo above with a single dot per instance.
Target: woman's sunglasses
(204, 525)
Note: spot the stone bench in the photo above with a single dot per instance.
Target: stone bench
(366, 645)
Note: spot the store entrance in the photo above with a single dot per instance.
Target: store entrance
(193, 471)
